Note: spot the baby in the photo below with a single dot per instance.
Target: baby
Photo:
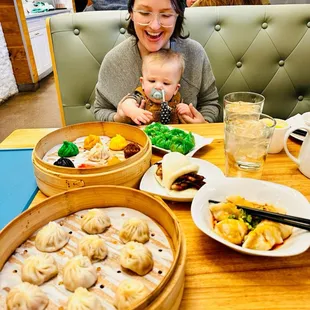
(161, 74)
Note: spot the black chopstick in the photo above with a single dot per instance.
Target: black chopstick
(276, 217)
(300, 132)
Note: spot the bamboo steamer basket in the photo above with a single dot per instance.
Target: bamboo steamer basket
(53, 179)
(168, 294)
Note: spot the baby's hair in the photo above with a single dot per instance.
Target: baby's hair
(163, 56)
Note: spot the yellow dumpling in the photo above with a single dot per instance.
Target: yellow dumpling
(118, 143)
(113, 161)
(91, 141)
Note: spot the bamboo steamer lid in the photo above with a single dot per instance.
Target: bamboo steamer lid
(168, 294)
(53, 179)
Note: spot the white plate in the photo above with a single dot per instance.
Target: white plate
(149, 183)
(259, 191)
(199, 143)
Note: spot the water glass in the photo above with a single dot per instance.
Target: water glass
(243, 102)
(247, 139)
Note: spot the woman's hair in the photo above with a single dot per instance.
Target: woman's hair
(225, 2)
(178, 6)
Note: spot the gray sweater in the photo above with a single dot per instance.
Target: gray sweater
(121, 69)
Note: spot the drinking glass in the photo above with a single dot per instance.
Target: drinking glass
(243, 102)
(247, 139)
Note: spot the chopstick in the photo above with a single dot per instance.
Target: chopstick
(300, 132)
(276, 217)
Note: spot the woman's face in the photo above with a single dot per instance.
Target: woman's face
(152, 37)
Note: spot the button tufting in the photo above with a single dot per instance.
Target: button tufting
(281, 63)
(122, 30)
(300, 98)
(264, 25)
(308, 24)
(239, 64)
(76, 31)
(217, 27)
(87, 106)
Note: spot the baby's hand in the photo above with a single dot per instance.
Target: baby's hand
(140, 116)
(183, 109)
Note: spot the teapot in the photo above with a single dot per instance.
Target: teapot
(303, 160)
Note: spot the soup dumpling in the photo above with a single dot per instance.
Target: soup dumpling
(135, 229)
(99, 152)
(51, 238)
(82, 299)
(137, 257)
(39, 269)
(79, 272)
(129, 293)
(26, 296)
(231, 230)
(93, 247)
(95, 221)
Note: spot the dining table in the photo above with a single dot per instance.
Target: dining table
(217, 277)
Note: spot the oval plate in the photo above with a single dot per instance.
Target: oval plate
(150, 185)
(259, 191)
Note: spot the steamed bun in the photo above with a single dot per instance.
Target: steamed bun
(135, 229)
(26, 296)
(51, 238)
(79, 272)
(137, 257)
(39, 269)
(95, 221)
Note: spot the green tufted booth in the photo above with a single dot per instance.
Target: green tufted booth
(264, 49)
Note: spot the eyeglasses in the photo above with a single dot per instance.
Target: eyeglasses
(144, 18)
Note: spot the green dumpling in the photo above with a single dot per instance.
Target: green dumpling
(68, 149)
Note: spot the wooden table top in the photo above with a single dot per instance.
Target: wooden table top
(216, 276)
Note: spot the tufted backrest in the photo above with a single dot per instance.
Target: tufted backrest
(264, 49)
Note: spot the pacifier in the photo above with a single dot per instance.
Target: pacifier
(156, 94)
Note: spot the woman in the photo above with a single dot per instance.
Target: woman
(155, 25)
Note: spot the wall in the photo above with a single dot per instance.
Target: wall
(16, 33)
(8, 85)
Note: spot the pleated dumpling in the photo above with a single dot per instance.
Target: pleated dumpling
(266, 235)
(231, 230)
(90, 141)
(137, 257)
(79, 272)
(95, 221)
(39, 269)
(99, 152)
(221, 211)
(51, 238)
(129, 293)
(82, 299)
(93, 247)
(26, 296)
(135, 229)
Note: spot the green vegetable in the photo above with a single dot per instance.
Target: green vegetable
(249, 220)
